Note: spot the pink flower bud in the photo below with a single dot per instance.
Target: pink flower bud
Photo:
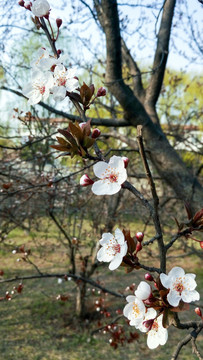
(58, 22)
(28, 5)
(86, 181)
(126, 161)
(82, 125)
(21, 3)
(59, 52)
(101, 92)
(96, 133)
(201, 244)
(138, 247)
(148, 277)
(139, 236)
(198, 311)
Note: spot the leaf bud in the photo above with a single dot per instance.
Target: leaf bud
(86, 181)
(139, 236)
(58, 22)
(148, 277)
(101, 92)
(96, 133)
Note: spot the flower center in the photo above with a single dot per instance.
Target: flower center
(136, 310)
(42, 89)
(178, 286)
(155, 326)
(117, 248)
(61, 81)
(112, 178)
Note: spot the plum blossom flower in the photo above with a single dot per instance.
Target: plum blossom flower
(113, 249)
(111, 175)
(158, 335)
(40, 8)
(134, 311)
(39, 87)
(182, 286)
(64, 80)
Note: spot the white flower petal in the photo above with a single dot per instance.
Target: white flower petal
(143, 290)
(124, 249)
(119, 236)
(176, 272)
(189, 296)
(103, 255)
(102, 188)
(165, 280)
(116, 162)
(127, 309)
(173, 298)
(152, 340)
(72, 84)
(115, 263)
(99, 169)
(106, 237)
(130, 298)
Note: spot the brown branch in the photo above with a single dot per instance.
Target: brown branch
(155, 213)
(161, 54)
(94, 121)
(70, 275)
(195, 349)
(193, 335)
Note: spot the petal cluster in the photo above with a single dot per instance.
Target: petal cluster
(181, 286)
(49, 76)
(113, 249)
(112, 175)
(145, 319)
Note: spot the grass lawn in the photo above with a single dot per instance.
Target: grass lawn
(36, 326)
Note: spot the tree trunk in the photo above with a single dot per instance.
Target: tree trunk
(81, 300)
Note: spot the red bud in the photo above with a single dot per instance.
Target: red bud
(148, 324)
(59, 52)
(96, 133)
(21, 3)
(139, 236)
(101, 92)
(86, 181)
(58, 22)
(28, 6)
(126, 161)
(201, 244)
(148, 277)
(198, 311)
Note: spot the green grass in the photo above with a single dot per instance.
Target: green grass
(36, 326)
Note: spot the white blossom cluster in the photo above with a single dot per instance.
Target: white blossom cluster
(49, 76)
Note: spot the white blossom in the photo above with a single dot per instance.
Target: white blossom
(111, 175)
(40, 8)
(113, 249)
(182, 286)
(134, 311)
(64, 80)
(158, 335)
(39, 87)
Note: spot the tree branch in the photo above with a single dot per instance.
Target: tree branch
(161, 54)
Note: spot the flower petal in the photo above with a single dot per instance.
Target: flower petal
(119, 236)
(115, 263)
(99, 169)
(176, 272)
(106, 237)
(102, 187)
(173, 298)
(130, 298)
(189, 296)
(165, 280)
(143, 290)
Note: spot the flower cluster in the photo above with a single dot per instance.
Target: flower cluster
(173, 292)
(49, 76)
